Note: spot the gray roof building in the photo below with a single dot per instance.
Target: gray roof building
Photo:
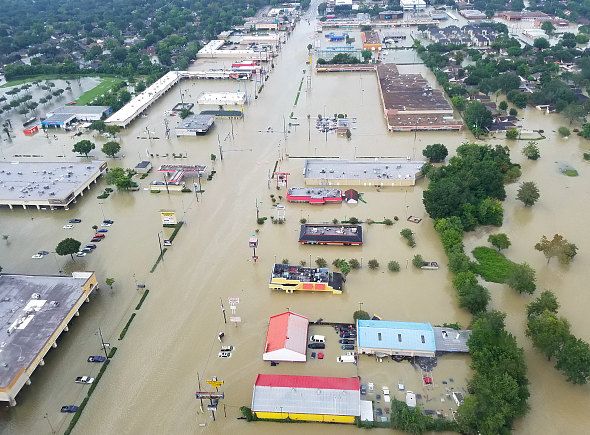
(195, 124)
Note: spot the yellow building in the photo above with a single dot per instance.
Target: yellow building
(307, 398)
(371, 41)
(298, 278)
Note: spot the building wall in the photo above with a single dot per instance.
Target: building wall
(323, 418)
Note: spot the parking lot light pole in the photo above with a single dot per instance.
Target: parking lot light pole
(104, 347)
(160, 244)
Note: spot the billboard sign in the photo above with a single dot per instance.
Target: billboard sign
(168, 217)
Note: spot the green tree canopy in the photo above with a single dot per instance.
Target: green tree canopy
(111, 148)
(499, 241)
(67, 246)
(558, 247)
(83, 147)
(436, 152)
(522, 278)
(528, 193)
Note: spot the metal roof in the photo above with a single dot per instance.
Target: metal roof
(306, 395)
(84, 110)
(392, 169)
(382, 334)
(58, 118)
(287, 331)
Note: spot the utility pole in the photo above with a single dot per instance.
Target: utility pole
(257, 210)
(199, 382)
(284, 128)
(220, 150)
(160, 243)
(223, 311)
(166, 182)
(104, 348)
(308, 127)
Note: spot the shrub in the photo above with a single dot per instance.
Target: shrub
(354, 264)
(513, 112)
(320, 262)
(418, 261)
(407, 234)
(260, 220)
(531, 151)
(512, 134)
(393, 266)
(334, 221)
(373, 264)
(285, 261)
(388, 222)
(564, 131)
(302, 220)
(361, 315)
(353, 220)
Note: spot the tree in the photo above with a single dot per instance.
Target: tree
(393, 266)
(585, 132)
(548, 27)
(513, 111)
(574, 112)
(490, 212)
(558, 247)
(436, 152)
(528, 193)
(582, 38)
(547, 332)
(499, 241)
(112, 130)
(68, 246)
(512, 134)
(545, 302)
(309, 47)
(563, 131)
(320, 262)
(184, 113)
(361, 315)
(522, 278)
(367, 55)
(98, 125)
(83, 147)
(354, 264)
(373, 264)
(121, 178)
(110, 282)
(111, 148)
(458, 102)
(407, 234)
(541, 44)
(531, 151)
(478, 117)
(418, 261)
(574, 360)
(343, 266)
(503, 105)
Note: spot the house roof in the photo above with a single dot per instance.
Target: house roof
(381, 334)
(307, 395)
(287, 331)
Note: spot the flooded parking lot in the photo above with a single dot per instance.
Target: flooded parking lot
(149, 386)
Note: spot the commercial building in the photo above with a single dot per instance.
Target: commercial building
(328, 53)
(35, 310)
(194, 125)
(46, 184)
(292, 278)
(472, 14)
(383, 338)
(391, 172)
(213, 49)
(314, 195)
(412, 5)
(391, 15)
(307, 398)
(371, 40)
(331, 234)
(84, 113)
(286, 338)
(222, 98)
(143, 167)
(58, 120)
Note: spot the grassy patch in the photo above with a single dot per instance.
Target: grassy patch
(105, 85)
(158, 260)
(176, 230)
(140, 303)
(492, 265)
(42, 77)
(124, 331)
(570, 172)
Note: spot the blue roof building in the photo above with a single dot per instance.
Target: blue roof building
(381, 337)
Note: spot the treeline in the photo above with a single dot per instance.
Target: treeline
(551, 335)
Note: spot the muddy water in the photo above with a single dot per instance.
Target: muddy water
(149, 386)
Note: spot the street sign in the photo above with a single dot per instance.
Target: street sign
(209, 395)
(215, 384)
(235, 319)
(233, 301)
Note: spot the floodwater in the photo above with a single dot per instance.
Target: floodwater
(149, 386)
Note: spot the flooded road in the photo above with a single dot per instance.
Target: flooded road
(149, 386)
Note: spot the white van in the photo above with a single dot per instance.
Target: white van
(348, 358)
(410, 399)
(317, 339)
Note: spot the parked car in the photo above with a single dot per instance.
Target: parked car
(70, 409)
(37, 256)
(320, 355)
(167, 242)
(346, 341)
(81, 254)
(102, 230)
(104, 224)
(317, 345)
(346, 335)
(90, 246)
(84, 380)
(86, 250)
(99, 235)
(347, 347)
(68, 227)
(96, 358)
(224, 354)
(74, 221)
(313, 354)
(95, 239)
(227, 348)
(43, 253)
(363, 389)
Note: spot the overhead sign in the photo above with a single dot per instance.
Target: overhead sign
(209, 395)
(233, 301)
(168, 218)
(215, 384)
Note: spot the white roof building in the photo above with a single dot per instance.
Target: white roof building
(410, 5)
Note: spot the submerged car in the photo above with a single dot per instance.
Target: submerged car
(90, 246)
(95, 239)
(75, 221)
(224, 354)
(96, 358)
(68, 227)
(102, 230)
(317, 345)
(84, 380)
(70, 409)
(347, 347)
(346, 341)
(37, 255)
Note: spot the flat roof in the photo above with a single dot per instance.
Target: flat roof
(86, 110)
(383, 334)
(315, 192)
(52, 181)
(451, 340)
(236, 98)
(197, 122)
(370, 37)
(341, 233)
(32, 307)
(58, 118)
(424, 121)
(362, 169)
(143, 164)
(307, 395)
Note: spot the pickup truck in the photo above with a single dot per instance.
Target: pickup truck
(347, 358)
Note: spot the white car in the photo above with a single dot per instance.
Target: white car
(68, 227)
(385, 390)
(37, 256)
(84, 380)
(224, 354)
(81, 254)
(104, 224)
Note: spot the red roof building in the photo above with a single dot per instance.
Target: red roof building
(318, 382)
(286, 338)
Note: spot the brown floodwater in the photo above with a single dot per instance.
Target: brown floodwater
(149, 386)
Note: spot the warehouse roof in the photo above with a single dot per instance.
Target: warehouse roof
(86, 110)
(32, 307)
(306, 395)
(362, 169)
(58, 118)
(382, 334)
(197, 122)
